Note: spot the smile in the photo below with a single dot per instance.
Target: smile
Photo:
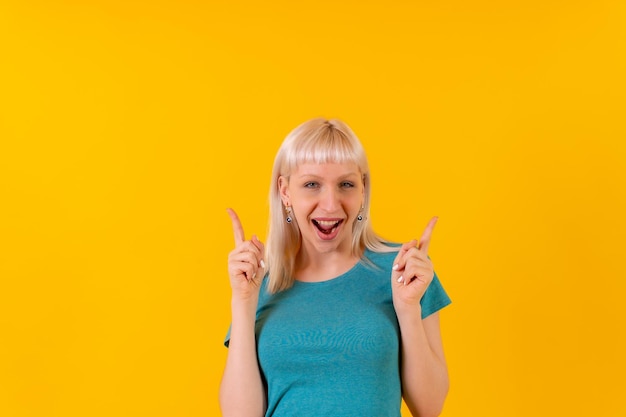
(326, 226)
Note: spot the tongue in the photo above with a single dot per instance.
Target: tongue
(327, 232)
(325, 229)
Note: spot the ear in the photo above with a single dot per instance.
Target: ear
(283, 189)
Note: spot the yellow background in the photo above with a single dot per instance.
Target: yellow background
(127, 128)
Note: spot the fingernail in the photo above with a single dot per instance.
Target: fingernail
(254, 275)
(262, 264)
(400, 279)
(395, 267)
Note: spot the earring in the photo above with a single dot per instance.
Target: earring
(360, 216)
(288, 211)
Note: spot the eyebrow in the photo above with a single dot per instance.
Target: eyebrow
(342, 176)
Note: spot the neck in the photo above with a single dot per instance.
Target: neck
(316, 266)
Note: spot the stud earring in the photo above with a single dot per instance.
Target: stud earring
(288, 211)
(360, 216)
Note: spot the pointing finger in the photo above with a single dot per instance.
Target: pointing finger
(425, 239)
(237, 227)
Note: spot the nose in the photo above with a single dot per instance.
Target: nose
(329, 200)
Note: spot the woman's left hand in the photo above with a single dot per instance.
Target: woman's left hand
(412, 272)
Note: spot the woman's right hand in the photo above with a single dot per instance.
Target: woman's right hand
(245, 263)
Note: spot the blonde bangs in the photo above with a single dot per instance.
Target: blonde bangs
(329, 142)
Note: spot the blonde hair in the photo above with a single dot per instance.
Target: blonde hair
(315, 141)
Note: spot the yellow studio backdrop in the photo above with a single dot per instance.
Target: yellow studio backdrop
(127, 129)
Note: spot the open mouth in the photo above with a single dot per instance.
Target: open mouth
(326, 226)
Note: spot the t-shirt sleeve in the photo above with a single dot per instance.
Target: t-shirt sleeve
(435, 298)
(227, 338)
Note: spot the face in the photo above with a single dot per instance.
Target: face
(325, 200)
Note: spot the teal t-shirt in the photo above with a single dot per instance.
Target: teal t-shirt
(331, 348)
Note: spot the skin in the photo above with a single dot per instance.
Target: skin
(332, 193)
(328, 192)
(424, 371)
(241, 391)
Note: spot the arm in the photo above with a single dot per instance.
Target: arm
(423, 366)
(241, 391)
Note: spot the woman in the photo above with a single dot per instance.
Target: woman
(330, 319)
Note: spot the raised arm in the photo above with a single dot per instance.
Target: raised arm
(423, 370)
(241, 391)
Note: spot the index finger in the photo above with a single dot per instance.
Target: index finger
(237, 227)
(425, 239)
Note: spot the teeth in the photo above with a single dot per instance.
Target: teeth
(327, 223)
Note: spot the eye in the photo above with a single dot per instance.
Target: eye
(347, 184)
(310, 184)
